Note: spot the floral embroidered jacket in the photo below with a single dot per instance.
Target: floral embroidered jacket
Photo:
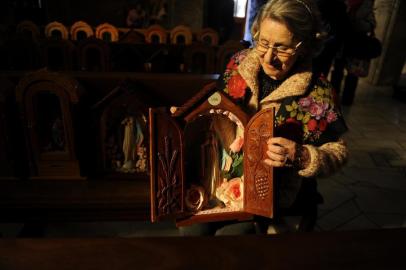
(306, 112)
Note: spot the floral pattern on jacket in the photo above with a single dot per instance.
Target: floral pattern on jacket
(315, 114)
(235, 85)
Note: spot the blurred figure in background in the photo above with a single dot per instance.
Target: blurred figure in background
(335, 28)
(358, 49)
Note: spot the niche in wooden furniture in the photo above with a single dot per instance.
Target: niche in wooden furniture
(48, 101)
(124, 137)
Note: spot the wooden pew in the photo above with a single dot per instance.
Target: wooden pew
(372, 249)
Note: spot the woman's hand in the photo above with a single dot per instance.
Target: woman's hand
(280, 150)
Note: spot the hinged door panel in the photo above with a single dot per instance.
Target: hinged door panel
(258, 177)
(166, 161)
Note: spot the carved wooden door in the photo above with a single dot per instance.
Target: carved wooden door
(258, 176)
(166, 161)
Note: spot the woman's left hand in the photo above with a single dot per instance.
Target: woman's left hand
(280, 150)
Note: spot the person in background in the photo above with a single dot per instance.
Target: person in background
(362, 22)
(335, 29)
(136, 17)
(220, 17)
(277, 73)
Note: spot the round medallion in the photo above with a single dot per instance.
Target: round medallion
(215, 99)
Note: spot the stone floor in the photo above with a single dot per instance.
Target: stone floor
(370, 191)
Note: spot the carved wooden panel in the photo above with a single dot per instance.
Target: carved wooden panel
(166, 161)
(258, 177)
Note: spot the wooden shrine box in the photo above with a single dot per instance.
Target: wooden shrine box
(48, 103)
(123, 131)
(195, 161)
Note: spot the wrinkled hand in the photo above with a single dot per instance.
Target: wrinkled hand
(280, 150)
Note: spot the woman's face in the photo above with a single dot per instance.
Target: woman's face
(276, 48)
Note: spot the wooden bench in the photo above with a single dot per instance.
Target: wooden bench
(372, 249)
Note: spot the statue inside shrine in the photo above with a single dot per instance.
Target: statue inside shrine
(133, 148)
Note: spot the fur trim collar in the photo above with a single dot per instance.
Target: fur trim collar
(294, 85)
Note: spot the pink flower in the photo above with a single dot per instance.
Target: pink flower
(305, 102)
(236, 86)
(331, 116)
(317, 110)
(236, 145)
(234, 189)
(231, 193)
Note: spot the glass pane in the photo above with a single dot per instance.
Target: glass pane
(126, 143)
(213, 162)
(50, 127)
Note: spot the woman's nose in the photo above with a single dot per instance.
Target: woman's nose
(270, 54)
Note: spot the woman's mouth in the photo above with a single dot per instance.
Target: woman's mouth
(275, 65)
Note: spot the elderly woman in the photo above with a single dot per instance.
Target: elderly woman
(277, 72)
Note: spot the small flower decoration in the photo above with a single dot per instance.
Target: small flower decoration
(231, 193)
(236, 86)
(236, 145)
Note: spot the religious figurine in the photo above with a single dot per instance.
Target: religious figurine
(133, 139)
(209, 162)
(56, 136)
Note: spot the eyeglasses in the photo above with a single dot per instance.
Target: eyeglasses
(281, 50)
